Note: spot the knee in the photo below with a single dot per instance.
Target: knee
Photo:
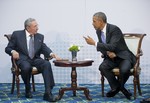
(26, 68)
(127, 71)
(47, 64)
(101, 68)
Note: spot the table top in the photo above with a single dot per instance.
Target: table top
(67, 63)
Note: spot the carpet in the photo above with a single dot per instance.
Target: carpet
(95, 93)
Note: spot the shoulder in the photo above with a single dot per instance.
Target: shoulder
(39, 35)
(112, 27)
(18, 32)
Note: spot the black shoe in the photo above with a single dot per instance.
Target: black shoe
(126, 93)
(28, 95)
(49, 97)
(112, 92)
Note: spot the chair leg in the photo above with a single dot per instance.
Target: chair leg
(138, 84)
(18, 85)
(33, 84)
(135, 83)
(13, 84)
(102, 84)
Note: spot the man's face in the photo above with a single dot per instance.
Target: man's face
(33, 28)
(97, 23)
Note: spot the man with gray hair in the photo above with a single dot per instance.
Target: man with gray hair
(25, 47)
(115, 51)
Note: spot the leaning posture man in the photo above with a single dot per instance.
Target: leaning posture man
(115, 51)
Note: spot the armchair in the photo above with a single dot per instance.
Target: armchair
(16, 71)
(134, 42)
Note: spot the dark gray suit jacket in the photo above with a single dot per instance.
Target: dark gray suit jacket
(115, 43)
(18, 42)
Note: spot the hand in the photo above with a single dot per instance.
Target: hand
(15, 55)
(55, 56)
(89, 40)
(111, 54)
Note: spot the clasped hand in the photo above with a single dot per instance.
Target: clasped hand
(111, 54)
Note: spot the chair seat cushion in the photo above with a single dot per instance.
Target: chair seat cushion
(116, 71)
(34, 70)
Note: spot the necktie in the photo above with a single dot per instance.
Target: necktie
(31, 47)
(103, 37)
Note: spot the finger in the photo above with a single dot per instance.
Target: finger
(89, 37)
(84, 37)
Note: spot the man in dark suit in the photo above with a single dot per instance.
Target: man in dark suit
(115, 51)
(26, 46)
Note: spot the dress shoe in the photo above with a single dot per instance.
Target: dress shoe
(113, 92)
(28, 95)
(126, 93)
(49, 97)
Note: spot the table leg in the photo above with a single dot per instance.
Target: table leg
(61, 92)
(74, 80)
(74, 86)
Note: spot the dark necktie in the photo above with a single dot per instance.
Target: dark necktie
(31, 47)
(103, 37)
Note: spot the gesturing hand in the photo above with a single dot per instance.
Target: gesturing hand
(89, 40)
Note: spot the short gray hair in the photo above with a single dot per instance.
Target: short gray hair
(28, 22)
(101, 15)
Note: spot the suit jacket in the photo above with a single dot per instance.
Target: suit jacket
(115, 43)
(18, 42)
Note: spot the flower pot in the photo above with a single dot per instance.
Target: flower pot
(74, 55)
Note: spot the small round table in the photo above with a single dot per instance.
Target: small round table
(74, 87)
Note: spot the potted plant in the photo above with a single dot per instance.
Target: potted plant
(74, 49)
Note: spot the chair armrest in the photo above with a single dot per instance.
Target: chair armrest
(14, 65)
(137, 68)
(139, 54)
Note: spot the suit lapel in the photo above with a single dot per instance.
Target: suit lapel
(24, 42)
(98, 32)
(107, 33)
(36, 43)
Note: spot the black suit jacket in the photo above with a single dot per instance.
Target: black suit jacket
(115, 43)
(18, 42)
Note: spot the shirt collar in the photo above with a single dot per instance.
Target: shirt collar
(27, 33)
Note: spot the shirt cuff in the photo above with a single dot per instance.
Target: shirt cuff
(51, 54)
(96, 44)
(12, 51)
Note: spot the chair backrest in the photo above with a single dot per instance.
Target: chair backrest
(134, 42)
(14, 66)
(8, 36)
